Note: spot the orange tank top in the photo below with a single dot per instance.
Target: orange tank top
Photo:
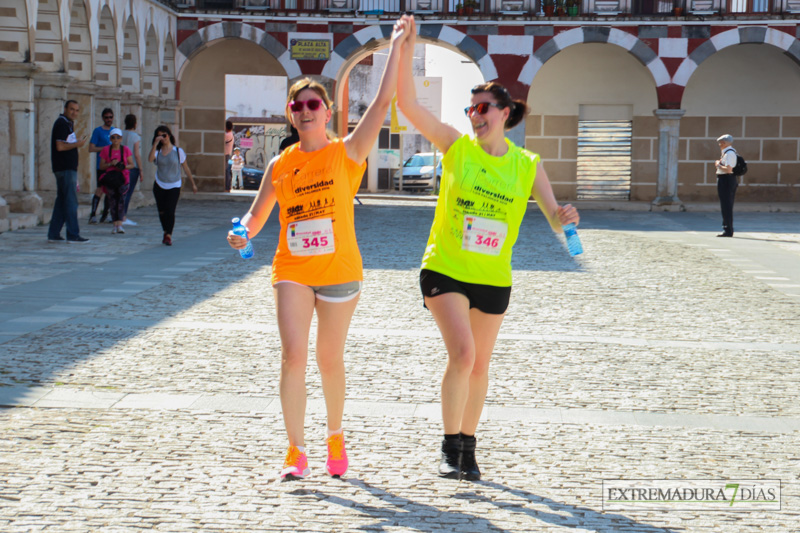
(315, 191)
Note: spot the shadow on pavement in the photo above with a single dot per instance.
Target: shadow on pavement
(411, 515)
(563, 514)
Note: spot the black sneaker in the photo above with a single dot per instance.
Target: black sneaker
(469, 467)
(450, 465)
(55, 239)
(78, 240)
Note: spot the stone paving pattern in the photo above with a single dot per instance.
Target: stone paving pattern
(658, 317)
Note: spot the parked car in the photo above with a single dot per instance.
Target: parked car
(251, 177)
(418, 172)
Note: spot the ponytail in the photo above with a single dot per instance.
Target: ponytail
(517, 108)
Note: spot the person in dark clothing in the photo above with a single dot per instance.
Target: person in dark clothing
(727, 183)
(290, 140)
(64, 156)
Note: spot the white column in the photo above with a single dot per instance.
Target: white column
(50, 91)
(669, 121)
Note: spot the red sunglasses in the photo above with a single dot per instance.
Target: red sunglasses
(297, 105)
(481, 108)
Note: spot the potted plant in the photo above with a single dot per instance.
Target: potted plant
(469, 6)
(549, 7)
(459, 9)
(560, 9)
(573, 7)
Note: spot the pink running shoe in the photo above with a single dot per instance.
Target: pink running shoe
(337, 456)
(295, 466)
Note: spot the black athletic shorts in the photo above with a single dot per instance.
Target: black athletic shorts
(487, 298)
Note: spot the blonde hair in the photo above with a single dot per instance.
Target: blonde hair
(301, 85)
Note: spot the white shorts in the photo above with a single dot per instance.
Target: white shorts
(339, 293)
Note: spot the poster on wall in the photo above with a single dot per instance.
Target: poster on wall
(258, 143)
(388, 158)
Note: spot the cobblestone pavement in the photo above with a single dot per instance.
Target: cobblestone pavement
(140, 381)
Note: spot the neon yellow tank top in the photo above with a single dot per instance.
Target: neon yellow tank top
(481, 204)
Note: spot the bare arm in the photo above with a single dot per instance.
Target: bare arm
(93, 148)
(63, 146)
(259, 211)
(185, 166)
(440, 134)
(359, 143)
(542, 192)
(129, 162)
(137, 153)
(152, 156)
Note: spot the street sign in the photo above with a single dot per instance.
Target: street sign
(429, 95)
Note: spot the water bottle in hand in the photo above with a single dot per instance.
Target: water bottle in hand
(246, 252)
(573, 241)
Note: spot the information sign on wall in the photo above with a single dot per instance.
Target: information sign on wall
(310, 49)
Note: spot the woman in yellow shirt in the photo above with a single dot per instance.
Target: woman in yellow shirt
(466, 269)
(317, 265)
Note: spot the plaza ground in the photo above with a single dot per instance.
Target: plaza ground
(139, 381)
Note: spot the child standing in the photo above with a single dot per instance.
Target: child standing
(237, 164)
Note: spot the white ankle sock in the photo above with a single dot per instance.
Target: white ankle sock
(337, 432)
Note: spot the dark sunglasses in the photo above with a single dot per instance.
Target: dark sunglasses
(481, 108)
(297, 105)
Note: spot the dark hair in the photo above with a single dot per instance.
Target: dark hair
(130, 122)
(66, 104)
(518, 109)
(107, 110)
(228, 125)
(164, 129)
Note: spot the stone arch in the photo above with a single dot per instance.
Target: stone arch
(48, 53)
(234, 30)
(742, 35)
(374, 37)
(202, 95)
(366, 41)
(107, 68)
(168, 80)
(131, 75)
(152, 81)
(80, 65)
(596, 34)
(16, 22)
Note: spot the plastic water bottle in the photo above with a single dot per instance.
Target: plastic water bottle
(573, 241)
(246, 252)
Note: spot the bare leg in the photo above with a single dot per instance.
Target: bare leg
(333, 323)
(485, 328)
(451, 312)
(295, 307)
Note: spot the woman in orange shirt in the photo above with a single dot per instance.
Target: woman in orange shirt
(317, 266)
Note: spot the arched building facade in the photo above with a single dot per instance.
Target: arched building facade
(672, 84)
(102, 53)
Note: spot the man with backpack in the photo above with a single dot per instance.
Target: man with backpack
(728, 172)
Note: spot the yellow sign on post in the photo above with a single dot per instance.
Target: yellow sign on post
(429, 95)
(310, 49)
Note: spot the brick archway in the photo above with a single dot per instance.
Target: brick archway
(234, 30)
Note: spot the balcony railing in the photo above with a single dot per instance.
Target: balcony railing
(495, 8)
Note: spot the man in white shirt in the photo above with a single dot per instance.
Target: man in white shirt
(726, 183)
